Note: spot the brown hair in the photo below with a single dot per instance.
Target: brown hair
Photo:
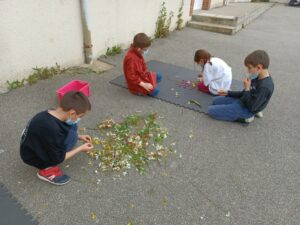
(141, 40)
(258, 57)
(202, 54)
(75, 100)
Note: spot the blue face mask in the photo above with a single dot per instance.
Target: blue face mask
(253, 76)
(71, 122)
(145, 52)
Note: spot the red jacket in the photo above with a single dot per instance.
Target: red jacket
(135, 71)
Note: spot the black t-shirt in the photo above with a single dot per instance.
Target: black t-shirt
(43, 142)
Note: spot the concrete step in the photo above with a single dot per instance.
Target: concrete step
(218, 28)
(215, 19)
(233, 19)
(247, 18)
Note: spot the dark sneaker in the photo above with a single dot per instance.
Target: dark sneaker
(53, 175)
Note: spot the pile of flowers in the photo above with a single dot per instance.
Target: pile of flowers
(131, 143)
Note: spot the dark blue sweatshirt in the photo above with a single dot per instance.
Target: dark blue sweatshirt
(259, 95)
(43, 142)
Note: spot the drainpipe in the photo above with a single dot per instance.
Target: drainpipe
(87, 40)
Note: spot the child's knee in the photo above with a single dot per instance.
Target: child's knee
(217, 100)
(211, 111)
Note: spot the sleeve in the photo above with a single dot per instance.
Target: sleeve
(131, 72)
(207, 74)
(255, 100)
(53, 144)
(235, 94)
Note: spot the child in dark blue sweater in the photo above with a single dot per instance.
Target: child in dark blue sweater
(243, 105)
(50, 137)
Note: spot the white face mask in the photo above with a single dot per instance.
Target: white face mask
(71, 122)
(145, 52)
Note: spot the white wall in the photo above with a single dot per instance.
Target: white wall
(38, 33)
(216, 3)
(116, 22)
(43, 32)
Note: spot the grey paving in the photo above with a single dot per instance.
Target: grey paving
(228, 174)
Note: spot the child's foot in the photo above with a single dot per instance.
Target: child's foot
(154, 92)
(259, 115)
(158, 77)
(248, 120)
(53, 175)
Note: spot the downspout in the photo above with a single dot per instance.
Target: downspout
(87, 40)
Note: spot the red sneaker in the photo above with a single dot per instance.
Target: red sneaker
(53, 175)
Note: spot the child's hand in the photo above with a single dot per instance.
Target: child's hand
(200, 79)
(200, 75)
(222, 93)
(86, 147)
(247, 84)
(146, 86)
(85, 138)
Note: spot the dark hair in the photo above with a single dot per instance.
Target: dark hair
(75, 100)
(141, 40)
(202, 54)
(258, 57)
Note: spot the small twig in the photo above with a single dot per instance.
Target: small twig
(195, 102)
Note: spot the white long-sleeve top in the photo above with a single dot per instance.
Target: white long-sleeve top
(217, 75)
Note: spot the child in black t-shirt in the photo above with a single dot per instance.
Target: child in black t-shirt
(51, 135)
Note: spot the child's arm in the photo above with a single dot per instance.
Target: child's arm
(134, 77)
(207, 74)
(131, 72)
(82, 148)
(253, 101)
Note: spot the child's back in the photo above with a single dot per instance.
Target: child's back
(217, 74)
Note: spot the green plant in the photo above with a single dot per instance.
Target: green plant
(115, 50)
(15, 84)
(133, 142)
(179, 17)
(40, 73)
(163, 22)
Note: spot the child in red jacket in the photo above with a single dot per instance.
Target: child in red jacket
(139, 80)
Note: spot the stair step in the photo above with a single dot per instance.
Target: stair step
(224, 29)
(224, 23)
(216, 19)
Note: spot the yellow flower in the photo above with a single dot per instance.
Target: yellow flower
(93, 216)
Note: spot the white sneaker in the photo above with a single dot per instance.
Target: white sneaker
(249, 120)
(259, 115)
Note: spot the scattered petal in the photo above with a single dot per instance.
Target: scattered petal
(93, 216)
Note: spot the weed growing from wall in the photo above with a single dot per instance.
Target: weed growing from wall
(163, 22)
(179, 17)
(115, 50)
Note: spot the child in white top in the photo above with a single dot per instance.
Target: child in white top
(216, 74)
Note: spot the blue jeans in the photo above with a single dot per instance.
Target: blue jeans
(72, 138)
(228, 109)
